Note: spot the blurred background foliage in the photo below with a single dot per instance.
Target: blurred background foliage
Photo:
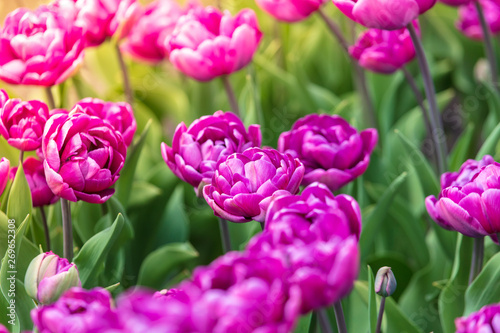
(299, 69)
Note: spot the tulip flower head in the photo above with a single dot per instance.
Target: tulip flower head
(484, 320)
(196, 149)
(154, 25)
(385, 282)
(207, 43)
(48, 276)
(22, 123)
(4, 173)
(83, 156)
(244, 184)
(40, 47)
(333, 152)
(468, 18)
(384, 51)
(119, 115)
(384, 14)
(290, 10)
(469, 199)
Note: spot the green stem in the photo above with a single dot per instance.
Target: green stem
(230, 95)
(67, 229)
(45, 227)
(380, 315)
(437, 133)
(224, 235)
(488, 45)
(477, 258)
(127, 88)
(50, 98)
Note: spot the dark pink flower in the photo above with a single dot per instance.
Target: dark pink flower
(207, 43)
(290, 10)
(468, 18)
(333, 152)
(486, 320)
(40, 47)
(119, 115)
(4, 173)
(22, 123)
(83, 157)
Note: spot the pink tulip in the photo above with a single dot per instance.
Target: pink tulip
(290, 10)
(4, 173)
(384, 51)
(456, 2)
(207, 43)
(384, 14)
(153, 26)
(21, 123)
(468, 19)
(40, 47)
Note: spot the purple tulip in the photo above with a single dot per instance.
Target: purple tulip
(384, 14)
(333, 152)
(77, 311)
(48, 276)
(40, 47)
(385, 282)
(21, 123)
(486, 320)
(384, 51)
(196, 150)
(35, 175)
(4, 173)
(155, 24)
(290, 10)
(207, 43)
(245, 183)
(242, 293)
(119, 115)
(83, 157)
(318, 234)
(468, 19)
(100, 19)
(469, 199)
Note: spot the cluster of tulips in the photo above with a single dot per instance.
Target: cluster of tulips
(307, 256)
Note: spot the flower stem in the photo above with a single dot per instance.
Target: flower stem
(21, 157)
(324, 322)
(380, 315)
(230, 95)
(45, 227)
(50, 98)
(477, 258)
(339, 316)
(262, 225)
(67, 229)
(127, 88)
(433, 111)
(360, 73)
(488, 45)
(224, 235)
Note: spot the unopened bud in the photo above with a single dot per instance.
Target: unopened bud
(385, 282)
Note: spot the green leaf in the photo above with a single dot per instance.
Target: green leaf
(174, 224)
(304, 323)
(159, 264)
(485, 289)
(451, 299)
(489, 146)
(462, 148)
(91, 257)
(395, 320)
(372, 301)
(124, 184)
(19, 204)
(374, 222)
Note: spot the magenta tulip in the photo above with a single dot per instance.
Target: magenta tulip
(40, 47)
(456, 2)
(22, 123)
(244, 184)
(83, 157)
(384, 14)
(207, 43)
(384, 51)
(35, 175)
(290, 10)
(119, 115)
(333, 152)
(469, 199)
(4, 173)
(486, 320)
(155, 24)
(196, 150)
(468, 19)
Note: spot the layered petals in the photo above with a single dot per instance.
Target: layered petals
(487, 319)
(290, 10)
(468, 18)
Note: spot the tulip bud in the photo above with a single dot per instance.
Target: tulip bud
(385, 282)
(49, 276)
